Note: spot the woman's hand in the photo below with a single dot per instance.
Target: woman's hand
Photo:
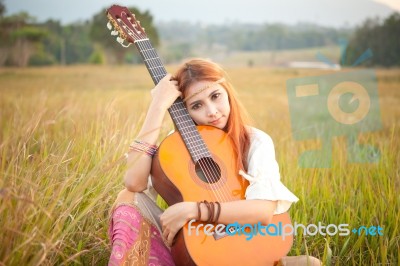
(165, 92)
(175, 217)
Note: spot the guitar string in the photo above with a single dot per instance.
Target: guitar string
(211, 173)
(138, 36)
(210, 170)
(205, 167)
(197, 153)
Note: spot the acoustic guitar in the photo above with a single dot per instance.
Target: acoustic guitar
(198, 163)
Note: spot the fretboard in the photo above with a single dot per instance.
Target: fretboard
(178, 112)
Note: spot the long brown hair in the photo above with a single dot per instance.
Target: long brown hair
(198, 69)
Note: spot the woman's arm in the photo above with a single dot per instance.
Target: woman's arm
(241, 211)
(139, 164)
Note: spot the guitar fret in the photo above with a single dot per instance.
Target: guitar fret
(177, 111)
(185, 117)
(197, 148)
(144, 50)
(203, 154)
(194, 140)
(186, 122)
(182, 115)
(189, 137)
(148, 54)
(156, 67)
(196, 145)
(179, 114)
(191, 128)
(199, 152)
(200, 155)
(188, 129)
(152, 61)
(153, 58)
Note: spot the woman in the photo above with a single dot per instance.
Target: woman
(140, 231)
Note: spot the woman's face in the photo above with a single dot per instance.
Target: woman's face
(208, 104)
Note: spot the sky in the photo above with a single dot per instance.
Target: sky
(334, 13)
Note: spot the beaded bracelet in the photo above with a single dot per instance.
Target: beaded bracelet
(214, 210)
(218, 212)
(144, 147)
(198, 211)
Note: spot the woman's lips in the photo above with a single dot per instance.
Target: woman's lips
(216, 121)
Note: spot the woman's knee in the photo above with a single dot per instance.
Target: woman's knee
(300, 261)
(313, 261)
(125, 196)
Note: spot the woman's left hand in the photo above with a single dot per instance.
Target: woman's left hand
(175, 217)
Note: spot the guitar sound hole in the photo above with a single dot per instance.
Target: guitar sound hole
(208, 170)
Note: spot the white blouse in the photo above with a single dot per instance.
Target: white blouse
(263, 173)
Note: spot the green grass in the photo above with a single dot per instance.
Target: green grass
(64, 131)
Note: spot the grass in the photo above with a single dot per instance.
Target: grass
(64, 131)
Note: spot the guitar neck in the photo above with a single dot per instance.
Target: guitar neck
(178, 112)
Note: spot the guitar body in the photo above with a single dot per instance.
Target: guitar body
(174, 176)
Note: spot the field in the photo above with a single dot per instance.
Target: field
(64, 131)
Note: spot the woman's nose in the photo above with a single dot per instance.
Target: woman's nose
(212, 111)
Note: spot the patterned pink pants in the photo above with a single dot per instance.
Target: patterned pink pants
(135, 234)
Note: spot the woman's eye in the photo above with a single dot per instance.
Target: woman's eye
(196, 106)
(215, 96)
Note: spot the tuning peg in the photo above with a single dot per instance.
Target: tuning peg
(121, 41)
(114, 33)
(143, 29)
(138, 22)
(109, 26)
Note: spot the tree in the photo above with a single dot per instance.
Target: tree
(114, 52)
(2, 8)
(3, 36)
(382, 38)
(25, 41)
(19, 37)
(67, 44)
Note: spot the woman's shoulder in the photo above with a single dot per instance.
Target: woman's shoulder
(258, 136)
(261, 145)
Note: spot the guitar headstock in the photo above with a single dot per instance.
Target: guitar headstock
(124, 24)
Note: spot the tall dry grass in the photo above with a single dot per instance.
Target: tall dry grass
(64, 131)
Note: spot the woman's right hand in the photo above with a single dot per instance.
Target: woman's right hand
(165, 92)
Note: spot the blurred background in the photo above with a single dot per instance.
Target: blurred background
(72, 100)
(42, 32)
